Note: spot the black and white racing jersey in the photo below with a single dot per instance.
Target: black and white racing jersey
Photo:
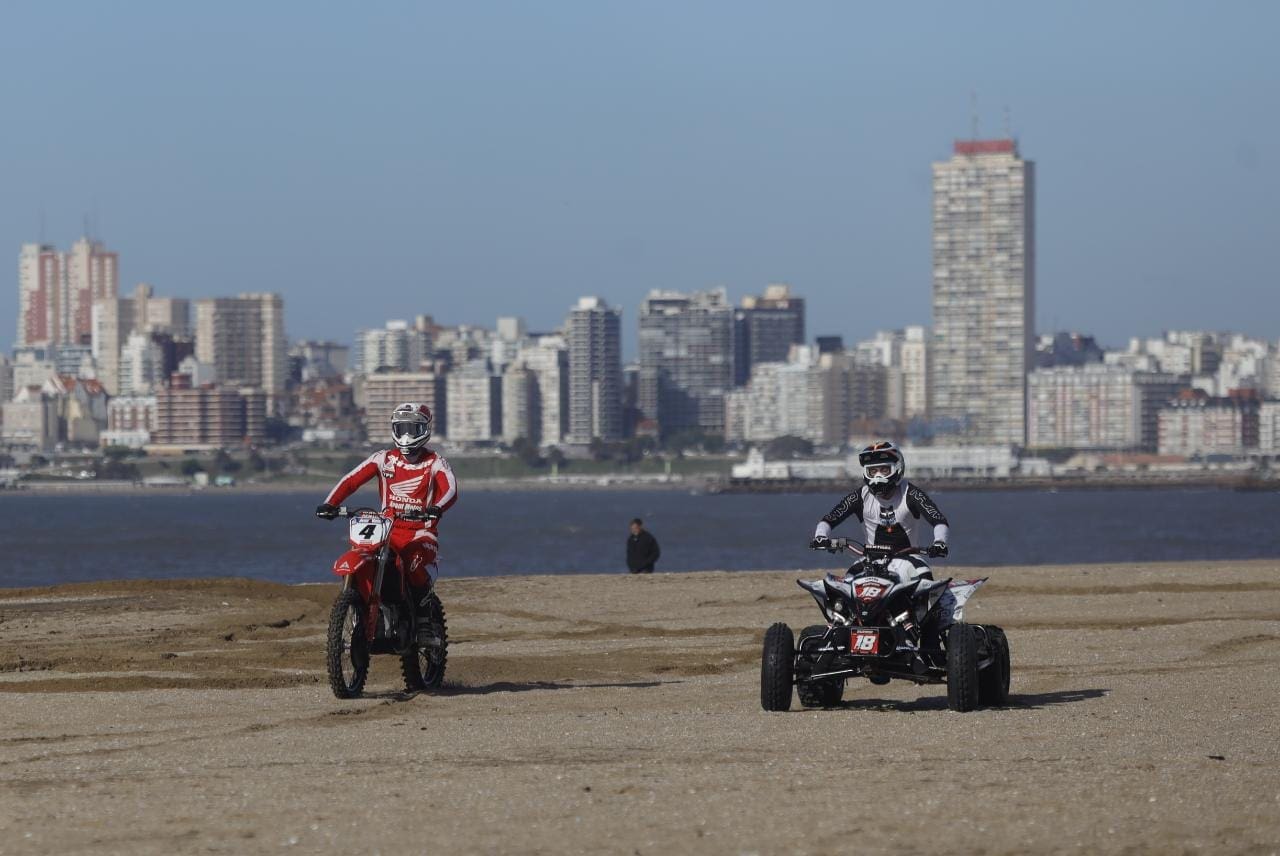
(898, 519)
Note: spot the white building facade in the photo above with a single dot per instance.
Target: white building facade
(983, 291)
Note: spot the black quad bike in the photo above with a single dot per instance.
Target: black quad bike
(881, 628)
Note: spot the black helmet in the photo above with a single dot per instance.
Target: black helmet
(882, 467)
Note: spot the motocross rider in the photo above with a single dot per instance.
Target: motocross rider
(893, 513)
(413, 480)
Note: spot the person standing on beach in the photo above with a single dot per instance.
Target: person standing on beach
(413, 481)
(642, 549)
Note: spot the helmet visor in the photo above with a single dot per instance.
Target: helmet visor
(877, 456)
(408, 430)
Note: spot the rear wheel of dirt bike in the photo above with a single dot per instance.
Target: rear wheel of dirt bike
(346, 649)
(776, 666)
(825, 693)
(962, 667)
(423, 664)
(993, 681)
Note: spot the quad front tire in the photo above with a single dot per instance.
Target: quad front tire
(777, 665)
(962, 667)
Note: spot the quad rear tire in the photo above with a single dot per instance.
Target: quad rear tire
(423, 669)
(993, 681)
(824, 693)
(346, 649)
(962, 667)
(777, 664)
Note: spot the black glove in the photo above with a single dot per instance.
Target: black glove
(432, 514)
(327, 511)
(937, 550)
(820, 542)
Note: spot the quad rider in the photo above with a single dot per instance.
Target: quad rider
(893, 513)
(416, 484)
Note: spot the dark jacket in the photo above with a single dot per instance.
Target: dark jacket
(642, 552)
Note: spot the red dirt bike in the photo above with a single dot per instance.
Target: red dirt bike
(376, 614)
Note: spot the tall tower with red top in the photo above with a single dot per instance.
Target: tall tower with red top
(983, 291)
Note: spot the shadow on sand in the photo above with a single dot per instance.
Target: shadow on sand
(1027, 701)
(452, 689)
(528, 686)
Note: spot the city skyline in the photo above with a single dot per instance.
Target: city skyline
(535, 156)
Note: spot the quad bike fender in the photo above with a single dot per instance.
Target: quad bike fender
(962, 590)
(819, 592)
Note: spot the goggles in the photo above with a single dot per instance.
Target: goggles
(410, 430)
(878, 470)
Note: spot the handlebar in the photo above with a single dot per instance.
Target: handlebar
(411, 516)
(838, 545)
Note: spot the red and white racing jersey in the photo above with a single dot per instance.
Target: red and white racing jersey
(403, 485)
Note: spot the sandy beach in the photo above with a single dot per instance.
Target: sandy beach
(615, 714)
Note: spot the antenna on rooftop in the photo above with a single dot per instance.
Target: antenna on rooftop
(1008, 123)
(973, 114)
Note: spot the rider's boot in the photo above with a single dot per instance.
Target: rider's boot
(420, 596)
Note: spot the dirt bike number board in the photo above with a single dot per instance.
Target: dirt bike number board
(865, 642)
(368, 530)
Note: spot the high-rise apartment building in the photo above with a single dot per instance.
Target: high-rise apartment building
(6, 379)
(399, 346)
(904, 357)
(765, 328)
(92, 273)
(141, 367)
(547, 358)
(983, 291)
(1269, 428)
(474, 394)
(519, 385)
(242, 338)
(1096, 406)
(56, 291)
(385, 391)
(115, 319)
(914, 357)
(595, 371)
(686, 360)
(312, 359)
(1198, 425)
(208, 417)
(39, 295)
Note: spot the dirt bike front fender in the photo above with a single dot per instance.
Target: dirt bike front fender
(356, 563)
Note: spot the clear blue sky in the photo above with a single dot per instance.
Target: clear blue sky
(466, 160)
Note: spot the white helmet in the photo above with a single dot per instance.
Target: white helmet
(411, 426)
(882, 467)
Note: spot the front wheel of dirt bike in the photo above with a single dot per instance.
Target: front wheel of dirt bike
(777, 665)
(962, 667)
(346, 649)
(424, 663)
(993, 681)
